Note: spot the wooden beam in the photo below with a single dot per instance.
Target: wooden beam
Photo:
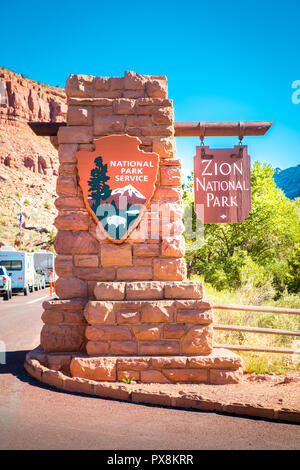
(209, 129)
(182, 129)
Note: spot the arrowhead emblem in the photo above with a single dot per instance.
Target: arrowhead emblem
(118, 181)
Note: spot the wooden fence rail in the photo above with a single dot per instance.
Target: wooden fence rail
(254, 329)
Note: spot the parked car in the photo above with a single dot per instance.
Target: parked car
(5, 284)
(20, 268)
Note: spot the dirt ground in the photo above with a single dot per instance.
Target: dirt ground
(265, 390)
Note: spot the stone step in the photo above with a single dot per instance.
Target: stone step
(219, 367)
(148, 290)
(100, 312)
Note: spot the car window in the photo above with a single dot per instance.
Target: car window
(1, 272)
(12, 265)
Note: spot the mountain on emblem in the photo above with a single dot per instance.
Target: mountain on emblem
(118, 181)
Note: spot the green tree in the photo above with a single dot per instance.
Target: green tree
(98, 189)
(255, 252)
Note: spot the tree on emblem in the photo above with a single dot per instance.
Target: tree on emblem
(98, 189)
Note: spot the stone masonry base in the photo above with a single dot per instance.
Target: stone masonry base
(53, 370)
(219, 367)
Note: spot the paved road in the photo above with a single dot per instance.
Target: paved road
(33, 416)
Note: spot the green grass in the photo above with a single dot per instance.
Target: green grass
(255, 361)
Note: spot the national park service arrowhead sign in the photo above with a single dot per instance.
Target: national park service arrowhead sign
(118, 181)
(222, 184)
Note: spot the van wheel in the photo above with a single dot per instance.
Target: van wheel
(6, 296)
(26, 290)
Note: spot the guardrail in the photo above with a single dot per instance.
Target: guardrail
(251, 329)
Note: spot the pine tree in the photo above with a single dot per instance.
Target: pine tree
(98, 189)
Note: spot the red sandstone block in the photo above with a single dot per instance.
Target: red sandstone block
(217, 359)
(110, 291)
(184, 290)
(170, 175)
(73, 220)
(167, 192)
(86, 261)
(67, 153)
(145, 249)
(154, 102)
(104, 111)
(95, 274)
(63, 338)
(128, 317)
(75, 134)
(97, 348)
(134, 273)
(67, 169)
(165, 147)
(99, 313)
(170, 210)
(142, 261)
(133, 94)
(103, 368)
(124, 375)
(79, 86)
(174, 228)
(167, 131)
(221, 376)
(71, 287)
(168, 362)
(75, 243)
(69, 203)
(186, 375)
(158, 312)
(117, 83)
(90, 102)
(163, 116)
(173, 247)
(114, 255)
(134, 81)
(139, 121)
(104, 125)
(147, 332)
(169, 269)
(65, 305)
(79, 116)
(135, 363)
(74, 317)
(102, 83)
(199, 317)
(124, 106)
(108, 333)
(66, 185)
(53, 378)
(108, 94)
(153, 376)
(147, 290)
(170, 162)
(174, 331)
(155, 348)
(64, 265)
(123, 347)
(52, 318)
(157, 88)
(198, 340)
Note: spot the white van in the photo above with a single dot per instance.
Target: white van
(44, 262)
(20, 268)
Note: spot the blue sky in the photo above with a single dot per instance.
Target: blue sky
(225, 61)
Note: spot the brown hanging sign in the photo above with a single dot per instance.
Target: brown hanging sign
(222, 184)
(118, 181)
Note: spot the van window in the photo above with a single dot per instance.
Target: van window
(1, 272)
(12, 265)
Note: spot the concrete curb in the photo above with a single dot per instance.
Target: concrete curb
(131, 393)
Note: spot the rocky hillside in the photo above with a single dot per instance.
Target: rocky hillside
(289, 181)
(28, 163)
